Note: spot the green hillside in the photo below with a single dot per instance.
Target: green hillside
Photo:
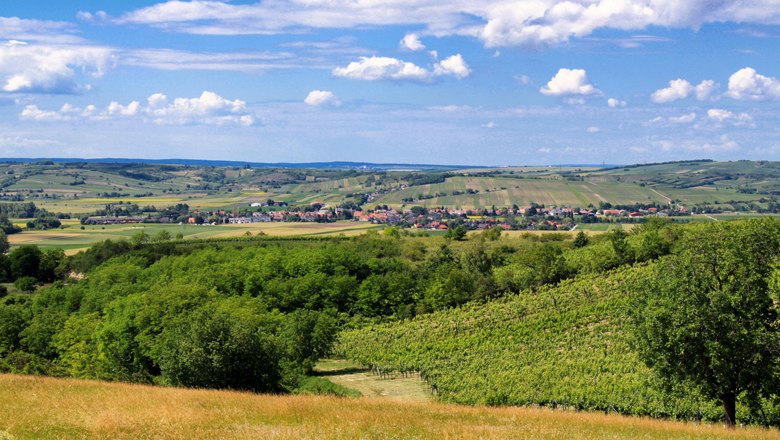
(568, 345)
(84, 187)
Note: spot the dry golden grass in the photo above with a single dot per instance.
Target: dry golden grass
(36, 407)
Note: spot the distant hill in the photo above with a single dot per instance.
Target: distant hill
(342, 165)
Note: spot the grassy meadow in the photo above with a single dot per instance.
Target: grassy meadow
(38, 407)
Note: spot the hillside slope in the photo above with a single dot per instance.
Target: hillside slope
(35, 407)
(561, 346)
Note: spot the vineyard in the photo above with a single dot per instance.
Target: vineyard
(564, 346)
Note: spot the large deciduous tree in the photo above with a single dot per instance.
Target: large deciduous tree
(708, 318)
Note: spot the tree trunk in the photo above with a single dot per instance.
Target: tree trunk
(730, 408)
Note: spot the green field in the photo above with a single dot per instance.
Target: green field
(73, 238)
(551, 191)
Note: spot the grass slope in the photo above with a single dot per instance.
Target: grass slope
(35, 407)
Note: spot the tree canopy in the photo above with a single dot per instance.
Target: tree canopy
(707, 316)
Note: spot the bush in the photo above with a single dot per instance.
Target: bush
(26, 284)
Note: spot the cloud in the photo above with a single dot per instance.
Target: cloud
(678, 89)
(412, 42)
(569, 82)
(454, 66)
(725, 116)
(724, 144)
(41, 68)
(495, 22)
(33, 113)
(386, 68)
(38, 31)
(376, 68)
(319, 98)
(207, 109)
(249, 62)
(450, 108)
(683, 119)
(682, 89)
(593, 129)
(115, 108)
(747, 84)
(612, 102)
(706, 89)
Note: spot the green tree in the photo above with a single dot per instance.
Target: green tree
(163, 235)
(581, 240)
(392, 231)
(25, 284)
(51, 265)
(457, 233)
(706, 317)
(493, 233)
(621, 247)
(4, 245)
(25, 261)
(226, 345)
(139, 238)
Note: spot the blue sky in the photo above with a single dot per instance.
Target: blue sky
(495, 82)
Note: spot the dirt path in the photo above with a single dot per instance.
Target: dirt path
(668, 199)
(350, 375)
(585, 187)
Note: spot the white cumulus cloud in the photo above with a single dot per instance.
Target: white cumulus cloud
(33, 113)
(569, 82)
(454, 65)
(387, 68)
(747, 84)
(412, 42)
(706, 89)
(318, 98)
(43, 68)
(208, 109)
(678, 89)
(725, 116)
(682, 89)
(376, 68)
(612, 102)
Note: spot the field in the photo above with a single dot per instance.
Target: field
(73, 238)
(36, 407)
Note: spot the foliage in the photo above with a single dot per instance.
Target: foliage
(706, 316)
(458, 233)
(26, 284)
(581, 240)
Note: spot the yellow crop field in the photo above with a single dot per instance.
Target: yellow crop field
(73, 238)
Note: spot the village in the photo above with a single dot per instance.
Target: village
(534, 217)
